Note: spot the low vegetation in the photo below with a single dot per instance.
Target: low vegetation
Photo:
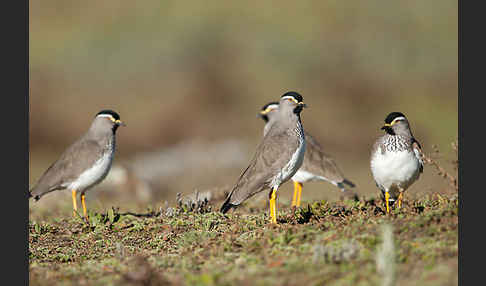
(319, 244)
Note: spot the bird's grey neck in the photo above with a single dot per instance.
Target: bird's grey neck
(402, 130)
(268, 125)
(266, 128)
(288, 122)
(105, 136)
(294, 121)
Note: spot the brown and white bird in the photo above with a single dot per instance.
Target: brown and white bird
(277, 158)
(396, 158)
(317, 165)
(85, 163)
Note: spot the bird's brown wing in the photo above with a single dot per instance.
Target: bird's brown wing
(77, 158)
(317, 162)
(270, 157)
(378, 145)
(417, 149)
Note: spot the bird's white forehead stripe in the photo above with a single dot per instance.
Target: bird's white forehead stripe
(106, 115)
(399, 118)
(289, 96)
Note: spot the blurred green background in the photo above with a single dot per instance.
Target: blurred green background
(188, 78)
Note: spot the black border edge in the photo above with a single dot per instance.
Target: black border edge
(471, 61)
(15, 131)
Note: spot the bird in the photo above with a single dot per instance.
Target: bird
(85, 163)
(317, 165)
(278, 156)
(396, 158)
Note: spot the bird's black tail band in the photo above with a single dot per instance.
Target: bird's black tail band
(349, 183)
(227, 206)
(36, 198)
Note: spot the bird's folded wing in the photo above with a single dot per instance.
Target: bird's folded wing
(320, 163)
(74, 161)
(417, 149)
(270, 157)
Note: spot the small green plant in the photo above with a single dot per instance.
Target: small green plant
(109, 218)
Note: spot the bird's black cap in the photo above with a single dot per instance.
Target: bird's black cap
(392, 116)
(294, 94)
(109, 112)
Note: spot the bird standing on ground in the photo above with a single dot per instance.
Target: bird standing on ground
(317, 165)
(85, 163)
(396, 158)
(277, 158)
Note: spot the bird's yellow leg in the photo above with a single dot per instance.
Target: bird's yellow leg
(400, 198)
(387, 197)
(75, 205)
(273, 205)
(296, 190)
(299, 193)
(84, 206)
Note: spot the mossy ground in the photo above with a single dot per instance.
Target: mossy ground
(323, 243)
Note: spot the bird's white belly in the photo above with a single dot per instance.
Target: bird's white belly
(304, 176)
(93, 175)
(399, 169)
(292, 166)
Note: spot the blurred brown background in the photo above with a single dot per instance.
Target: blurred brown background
(188, 78)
